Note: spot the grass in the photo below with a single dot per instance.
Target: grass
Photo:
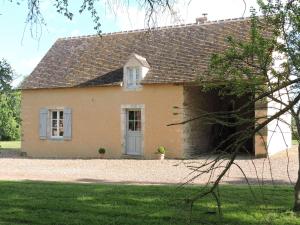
(294, 142)
(61, 203)
(10, 144)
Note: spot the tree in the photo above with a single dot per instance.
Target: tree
(9, 116)
(6, 76)
(264, 68)
(9, 105)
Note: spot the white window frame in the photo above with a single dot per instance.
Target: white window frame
(58, 119)
(136, 77)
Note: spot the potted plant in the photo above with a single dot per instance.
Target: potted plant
(101, 152)
(161, 150)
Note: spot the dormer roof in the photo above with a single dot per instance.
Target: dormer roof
(142, 60)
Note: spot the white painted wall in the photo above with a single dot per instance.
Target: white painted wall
(279, 130)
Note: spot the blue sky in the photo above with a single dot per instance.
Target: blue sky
(23, 51)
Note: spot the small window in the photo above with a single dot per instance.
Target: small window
(57, 123)
(133, 77)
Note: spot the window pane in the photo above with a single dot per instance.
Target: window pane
(137, 125)
(54, 123)
(61, 123)
(54, 115)
(137, 76)
(137, 115)
(131, 125)
(54, 132)
(61, 114)
(129, 71)
(130, 76)
(134, 76)
(61, 132)
(131, 115)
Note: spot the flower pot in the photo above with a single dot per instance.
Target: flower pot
(101, 156)
(161, 156)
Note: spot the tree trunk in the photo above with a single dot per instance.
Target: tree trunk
(297, 187)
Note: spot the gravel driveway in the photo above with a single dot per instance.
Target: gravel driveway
(13, 167)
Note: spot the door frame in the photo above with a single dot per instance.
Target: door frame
(124, 109)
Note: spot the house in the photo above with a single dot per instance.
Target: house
(119, 90)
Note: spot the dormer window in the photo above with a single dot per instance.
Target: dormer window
(133, 77)
(135, 70)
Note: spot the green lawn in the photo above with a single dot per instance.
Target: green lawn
(294, 142)
(88, 204)
(10, 144)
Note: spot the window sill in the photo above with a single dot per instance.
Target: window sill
(56, 138)
(135, 88)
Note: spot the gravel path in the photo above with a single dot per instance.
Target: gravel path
(14, 167)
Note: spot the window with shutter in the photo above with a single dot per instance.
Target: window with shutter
(55, 123)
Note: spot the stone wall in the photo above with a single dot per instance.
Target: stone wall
(197, 136)
(200, 135)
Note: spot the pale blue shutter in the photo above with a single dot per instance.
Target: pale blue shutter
(43, 123)
(67, 124)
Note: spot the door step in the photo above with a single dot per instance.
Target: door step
(132, 156)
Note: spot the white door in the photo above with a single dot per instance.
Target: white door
(133, 132)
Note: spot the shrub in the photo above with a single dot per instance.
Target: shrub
(161, 150)
(101, 150)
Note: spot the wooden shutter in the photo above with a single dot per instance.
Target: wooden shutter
(43, 123)
(67, 124)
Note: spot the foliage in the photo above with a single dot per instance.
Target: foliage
(9, 105)
(101, 150)
(63, 203)
(67, 8)
(6, 76)
(10, 116)
(161, 150)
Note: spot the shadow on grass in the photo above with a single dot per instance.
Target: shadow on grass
(239, 181)
(255, 181)
(61, 203)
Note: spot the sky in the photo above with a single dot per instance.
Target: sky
(23, 50)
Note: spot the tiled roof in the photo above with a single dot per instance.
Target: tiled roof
(176, 54)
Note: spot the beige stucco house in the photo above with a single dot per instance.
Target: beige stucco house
(120, 91)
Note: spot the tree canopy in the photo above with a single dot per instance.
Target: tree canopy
(6, 76)
(9, 105)
(10, 116)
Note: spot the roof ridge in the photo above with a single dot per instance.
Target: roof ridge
(158, 28)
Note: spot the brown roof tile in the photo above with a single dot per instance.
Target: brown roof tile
(176, 54)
